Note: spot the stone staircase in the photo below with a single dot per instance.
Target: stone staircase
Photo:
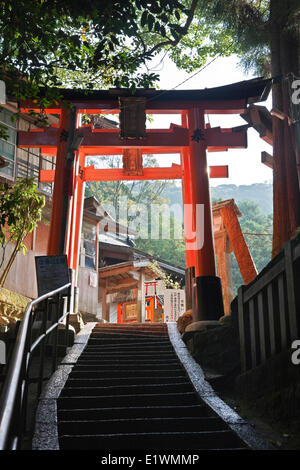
(128, 390)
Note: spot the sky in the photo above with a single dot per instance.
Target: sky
(245, 165)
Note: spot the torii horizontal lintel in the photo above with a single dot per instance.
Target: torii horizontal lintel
(230, 106)
(94, 151)
(175, 137)
(90, 173)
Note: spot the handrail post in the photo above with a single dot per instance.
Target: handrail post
(291, 298)
(24, 376)
(242, 328)
(43, 347)
(58, 305)
(72, 287)
(70, 304)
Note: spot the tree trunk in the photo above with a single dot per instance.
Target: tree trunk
(286, 196)
(10, 262)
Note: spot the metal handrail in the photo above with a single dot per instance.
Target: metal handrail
(15, 387)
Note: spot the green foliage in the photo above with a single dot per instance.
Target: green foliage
(110, 192)
(234, 26)
(201, 43)
(254, 202)
(20, 210)
(167, 279)
(171, 250)
(87, 44)
(140, 192)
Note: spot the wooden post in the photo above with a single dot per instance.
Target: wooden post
(58, 191)
(291, 290)
(242, 332)
(188, 227)
(141, 298)
(104, 305)
(186, 197)
(186, 203)
(77, 212)
(143, 312)
(239, 246)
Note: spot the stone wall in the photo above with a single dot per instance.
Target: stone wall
(272, 389)
(216, 348)
(12, 307)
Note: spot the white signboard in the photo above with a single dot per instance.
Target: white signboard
(2, 352)
(2, 92)
(174, 304)
(93, 280)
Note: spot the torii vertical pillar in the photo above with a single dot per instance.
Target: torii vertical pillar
(77, 213)
(207, 290)
(68, 195)
(59, 180)
(188, 222)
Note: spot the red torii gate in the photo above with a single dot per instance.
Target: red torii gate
(191, 139)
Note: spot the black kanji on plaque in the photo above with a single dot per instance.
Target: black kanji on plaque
(198, 135)
(64, 135)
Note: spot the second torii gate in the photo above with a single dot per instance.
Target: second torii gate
(71, 143)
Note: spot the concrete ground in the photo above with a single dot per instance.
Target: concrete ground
(33, 396)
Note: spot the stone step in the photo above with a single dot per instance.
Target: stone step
(120, 361)
(141, 425)
(97, 373)
(132, 366)
(143, 330)
(129, 334)
(160, 440)
(128, 390)
(136, 389)
(132, 412)
(140, 346)
(101, 340)
(137, 355)
(110, 381)
(136, 326)
(109, 401)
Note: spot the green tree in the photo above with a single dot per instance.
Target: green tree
(137, 192)
(52, 43)
(169, 250)
(144, 193)
(20, 210)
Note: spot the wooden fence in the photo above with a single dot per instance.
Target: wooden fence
(269, 308)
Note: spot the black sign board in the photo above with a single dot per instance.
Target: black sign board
(52, 272)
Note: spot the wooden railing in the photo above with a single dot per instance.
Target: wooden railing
(269, 308)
